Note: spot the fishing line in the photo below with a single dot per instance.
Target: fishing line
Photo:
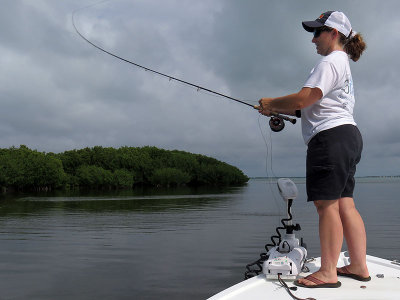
(275, 116)
(271, 177)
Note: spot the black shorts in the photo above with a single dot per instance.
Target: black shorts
(332, 156)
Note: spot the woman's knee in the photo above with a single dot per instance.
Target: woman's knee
(346, 205)
(326, 205)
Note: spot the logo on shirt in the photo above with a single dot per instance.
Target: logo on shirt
(346, 87)
(347, 94)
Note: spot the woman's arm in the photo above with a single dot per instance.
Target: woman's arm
(289, 104)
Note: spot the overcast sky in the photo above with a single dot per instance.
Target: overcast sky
(59, 93)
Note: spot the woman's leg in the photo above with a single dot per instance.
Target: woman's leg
(331, 239)
(356, 239)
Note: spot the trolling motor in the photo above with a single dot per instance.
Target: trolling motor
(286, 259)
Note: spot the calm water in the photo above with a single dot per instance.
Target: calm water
(181, 244)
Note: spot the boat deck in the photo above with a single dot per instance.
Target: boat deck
(385, 284)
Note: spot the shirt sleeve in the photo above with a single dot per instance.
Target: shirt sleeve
(323, 76)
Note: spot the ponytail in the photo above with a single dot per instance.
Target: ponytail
(353, 45)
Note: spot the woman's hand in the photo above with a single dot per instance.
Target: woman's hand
(264, 107)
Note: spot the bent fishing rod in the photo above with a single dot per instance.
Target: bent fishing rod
(276, 122)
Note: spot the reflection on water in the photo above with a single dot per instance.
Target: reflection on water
(155, 244)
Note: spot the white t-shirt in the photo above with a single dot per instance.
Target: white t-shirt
(332, 75)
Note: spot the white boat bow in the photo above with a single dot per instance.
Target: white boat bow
(384, 284)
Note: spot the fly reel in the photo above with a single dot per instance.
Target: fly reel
(276, 124)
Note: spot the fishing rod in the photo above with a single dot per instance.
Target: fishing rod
(276, 121)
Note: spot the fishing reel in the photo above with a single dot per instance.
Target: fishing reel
(277, 123)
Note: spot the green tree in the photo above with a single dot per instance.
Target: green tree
(22, 168)
(122, 178)
(99, 167)
(169, 177)
(94, 177)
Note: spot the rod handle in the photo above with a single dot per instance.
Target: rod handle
(284, 117)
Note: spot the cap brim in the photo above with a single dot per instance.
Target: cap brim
(311, 25)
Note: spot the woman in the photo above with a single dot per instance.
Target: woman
(334, 146)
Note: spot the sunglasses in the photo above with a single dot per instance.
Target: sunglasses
(318, 31)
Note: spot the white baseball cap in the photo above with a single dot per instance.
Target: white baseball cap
(332, 19)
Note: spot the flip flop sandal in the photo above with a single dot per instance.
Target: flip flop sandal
(346, 273)
(318, 283)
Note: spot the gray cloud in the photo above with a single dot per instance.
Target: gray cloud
(59, 93)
